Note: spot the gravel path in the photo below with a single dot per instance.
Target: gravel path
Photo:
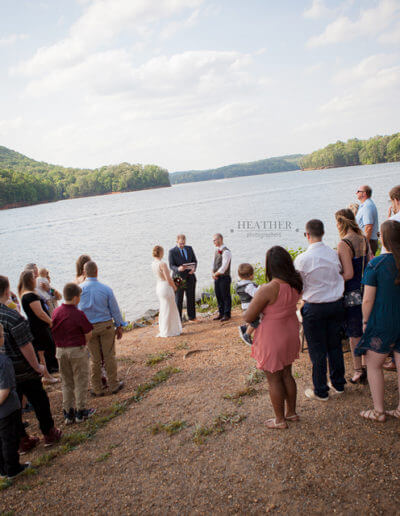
(329, 462)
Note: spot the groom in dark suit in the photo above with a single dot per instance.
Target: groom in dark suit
(178, 256)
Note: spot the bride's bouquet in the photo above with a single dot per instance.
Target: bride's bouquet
(179, 282)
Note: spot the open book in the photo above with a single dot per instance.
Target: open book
(189, 266)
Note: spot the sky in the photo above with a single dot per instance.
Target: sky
(194, 84)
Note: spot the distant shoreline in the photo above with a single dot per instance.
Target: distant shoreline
(24, 204)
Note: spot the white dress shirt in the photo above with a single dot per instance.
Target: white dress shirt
(226, 258)
(320, 270)
(396, 217)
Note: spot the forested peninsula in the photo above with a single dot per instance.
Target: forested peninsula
(253, 168)
(379, 149)
(24, 181)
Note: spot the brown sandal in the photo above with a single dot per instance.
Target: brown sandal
(373, 415)
(272, 424)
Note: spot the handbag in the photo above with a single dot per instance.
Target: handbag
(354, 297)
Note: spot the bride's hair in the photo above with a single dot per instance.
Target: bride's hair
(157, 251)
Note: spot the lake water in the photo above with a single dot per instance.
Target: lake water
(119, 231)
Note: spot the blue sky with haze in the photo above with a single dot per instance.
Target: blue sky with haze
(190, 84)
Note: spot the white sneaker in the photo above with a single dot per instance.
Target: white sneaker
(335, 391)
(312, 396)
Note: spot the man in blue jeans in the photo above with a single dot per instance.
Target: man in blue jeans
(323, 312)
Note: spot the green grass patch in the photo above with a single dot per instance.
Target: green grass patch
(171, 428)
(158, 357)
(247, 391)
(158, 378)
(201, 432)
(255, 376)
(182, 345)
(126, 360)
(103, 457)
(5, 483)
(218, 426)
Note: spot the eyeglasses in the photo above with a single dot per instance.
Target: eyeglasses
(305, 234)
(360, 191)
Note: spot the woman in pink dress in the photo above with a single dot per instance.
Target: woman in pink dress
(276, 342)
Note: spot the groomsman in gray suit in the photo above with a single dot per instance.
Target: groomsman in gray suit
(221, 274)
(178, 258)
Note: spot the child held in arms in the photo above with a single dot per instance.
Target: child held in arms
(246, 288)
(10, 418)
(44, 289)
(71, 332)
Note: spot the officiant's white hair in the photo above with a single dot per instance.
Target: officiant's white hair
(181, 236)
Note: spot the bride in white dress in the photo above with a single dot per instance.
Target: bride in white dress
(169, 321)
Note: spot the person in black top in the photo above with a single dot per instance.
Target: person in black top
(178, 256)
(10, 418)
(18, 347)
(39, 321)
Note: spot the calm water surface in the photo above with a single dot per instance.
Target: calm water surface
(119, 231)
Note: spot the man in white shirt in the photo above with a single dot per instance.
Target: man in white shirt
(323, 311)
(221, 274)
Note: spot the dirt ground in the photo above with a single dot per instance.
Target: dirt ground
(331, 461)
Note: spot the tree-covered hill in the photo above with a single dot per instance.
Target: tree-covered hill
(26, 181)
(263, 166)
(379, 149)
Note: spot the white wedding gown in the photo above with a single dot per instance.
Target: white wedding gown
(169, 321)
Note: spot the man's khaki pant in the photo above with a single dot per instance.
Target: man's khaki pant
(103, 340)
(74, 369)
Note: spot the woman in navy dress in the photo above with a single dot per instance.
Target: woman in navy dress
(381, 318)
(353, 255)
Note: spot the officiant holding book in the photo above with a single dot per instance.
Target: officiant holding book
(183, 263)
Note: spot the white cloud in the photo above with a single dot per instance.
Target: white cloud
(366, 92)
(201, 74)
(7, 125)
(100, 23)
(391, 37)
(370, 22)
(11, 39)
(317, 10)
(365, 69)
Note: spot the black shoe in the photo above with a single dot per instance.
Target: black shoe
(218, 318)
(120, 386)
(96, 394)
(225, 318)
(69, 417)
(247, 339)
(23, 468)
(82, 415)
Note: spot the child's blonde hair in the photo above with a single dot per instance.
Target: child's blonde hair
(43, 273)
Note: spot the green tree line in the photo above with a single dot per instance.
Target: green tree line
(379, 149)
(263, 166)
(27, 181)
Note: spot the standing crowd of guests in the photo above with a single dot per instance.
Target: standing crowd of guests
(70, 339)
(348, 289)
